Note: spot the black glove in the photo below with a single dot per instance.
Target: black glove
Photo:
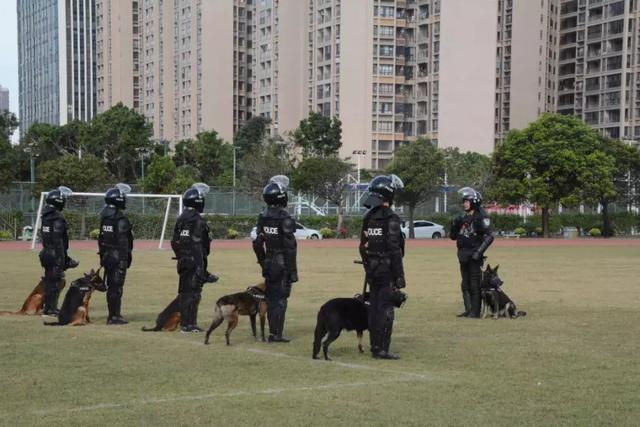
(71, 263)
(293, 277)
(210, 278)
(129, 260)
(477, 256)
(400, 283)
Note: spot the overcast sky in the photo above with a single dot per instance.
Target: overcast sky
(9, 51)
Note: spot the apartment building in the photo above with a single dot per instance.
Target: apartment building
(56, 61)
(599, 72)
(4, 98)
(117, 54)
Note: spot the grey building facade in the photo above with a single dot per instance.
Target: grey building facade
(56, 61)
(4, 98)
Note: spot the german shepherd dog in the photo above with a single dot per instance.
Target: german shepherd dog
(35, 301)
(250, 303)
(168, 319)
(339, 314)
(75, 308)
(494, 299)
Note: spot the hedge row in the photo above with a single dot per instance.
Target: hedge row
(222, 227)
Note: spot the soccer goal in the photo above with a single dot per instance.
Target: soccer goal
(150, 215)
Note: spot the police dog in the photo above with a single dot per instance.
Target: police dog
(35, 301)
(168, 319)
(338, 314)
(75, 308)
(248, 303)
(494, 299)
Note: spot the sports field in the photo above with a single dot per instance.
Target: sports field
(573, 360)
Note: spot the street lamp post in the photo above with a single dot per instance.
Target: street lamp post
(233, 205)
(32, 165)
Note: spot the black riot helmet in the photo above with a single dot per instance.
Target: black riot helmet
(194, 196)
(275, 192)
(382, 189)
(117, 196)
(57, 197)
(471, 195)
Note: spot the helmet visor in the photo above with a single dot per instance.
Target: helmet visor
(65, 191)
(124, 188)
(201, 187)
(396, 182)
(467, 193)
(282, 182)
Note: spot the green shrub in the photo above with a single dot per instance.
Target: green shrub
(232, 234)
(5, 235)
(595, 232)
(94, 234)
(327, 233)
(520, 231)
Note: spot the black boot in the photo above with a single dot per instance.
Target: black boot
(476, 303)
(50, 300)
(466, 299)
(115, 318)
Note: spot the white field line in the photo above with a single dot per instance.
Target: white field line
(212, 396)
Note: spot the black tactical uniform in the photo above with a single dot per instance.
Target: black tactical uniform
(191, 244)
(55, 242)
(115, 244)
(275, 248)
(382, 249)
(473, 235)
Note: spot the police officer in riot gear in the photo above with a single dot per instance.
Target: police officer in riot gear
(115, 244)
(191, 244)
(473, 235)
(55, 241)
(275, 248)
(382, 249)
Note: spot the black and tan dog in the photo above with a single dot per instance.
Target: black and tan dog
(494, 299)
(35, 301)
(250, 303)
(75, 308)
(168, 319)
(340, 314)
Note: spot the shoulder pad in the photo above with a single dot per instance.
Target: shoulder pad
(288, 225)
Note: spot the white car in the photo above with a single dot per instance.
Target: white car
(423, 229)
(301, 233)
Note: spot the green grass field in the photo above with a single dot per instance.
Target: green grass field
(574, 359)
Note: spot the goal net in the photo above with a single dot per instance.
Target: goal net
(151, 215)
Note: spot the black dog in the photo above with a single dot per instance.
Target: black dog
(494, 298)
(338, 314)
(75, 308)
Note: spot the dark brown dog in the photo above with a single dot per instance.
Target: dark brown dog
(494, 299)
(248, 303)
(75, 308)
(35, 301)
(168, 319)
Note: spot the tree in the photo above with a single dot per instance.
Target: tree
(49, 142)
(210, 155)
(420, 165)
(81, 175)
(8, 124)
(163, 177)
(324, 177)
(552, 161)
(626, 178)
(119, 136)
(261, 163)
(251, 135)
(467, 169)
(8, 156)
(318, 135)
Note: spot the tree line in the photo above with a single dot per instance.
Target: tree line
(556, 160)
